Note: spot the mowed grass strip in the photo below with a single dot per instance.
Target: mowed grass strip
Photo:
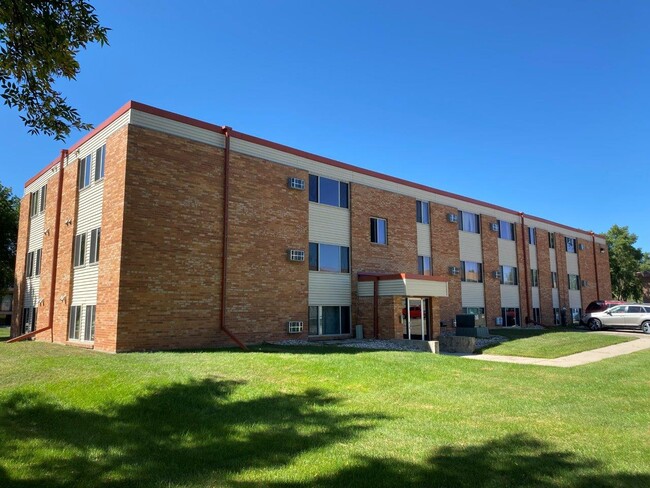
(550, 344)
(317, 416)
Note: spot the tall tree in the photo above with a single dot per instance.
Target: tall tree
(39, 42)
(625, 263)
(9, 205)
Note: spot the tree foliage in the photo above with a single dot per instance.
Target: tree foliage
(39, 42)
(9, 207)
(625, 263)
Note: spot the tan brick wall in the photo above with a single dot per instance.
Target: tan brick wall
(587, 271)
(490, 248)
(21, 257)
(445, 252)
(545, 283)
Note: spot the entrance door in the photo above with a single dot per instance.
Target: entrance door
(415, 318)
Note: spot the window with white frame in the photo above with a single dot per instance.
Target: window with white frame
(29, 265)
(422, 212)
(42, 198)
(532, 236)
(424, 265)
(570, 244)
(534, 277)
(100, 156)
(537, 315)
(553, 279)
(378, 231)
(74, 326)
(95, 236)
(329, 258)
(471, 272)
(79, 255)
(551, 240)
(506, 230)
(89, 328)
(83, 176)
(33, 204)
(469, 222)
(509, 275)
(329, 320)
(328, 191)
(574, 282)
(576, 313)
(28, 323)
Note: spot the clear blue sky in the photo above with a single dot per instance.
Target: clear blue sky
(542, 107)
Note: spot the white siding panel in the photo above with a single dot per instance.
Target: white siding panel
(473, 295)
(329, 225)
(330, 288)
(36, 232)
(392, 288)
(90, 208)
(32, 290)
(549, 227)
(555, 296)
(424, 239)
(426, 288)
(532, 256)
(365, 288)
(507, 253)
(84, 285)
(40, 181)
(551, 253)
(574, 299)
(470, 247)
(176, 128)
(535, 296)
(571, 264)
(509, 296)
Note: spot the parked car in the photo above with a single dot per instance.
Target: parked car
(601, 305)
(628, 315)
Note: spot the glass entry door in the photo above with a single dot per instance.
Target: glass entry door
(415, 318)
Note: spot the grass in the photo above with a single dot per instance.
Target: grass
(538, 343)
(288, 417)
(4, 333)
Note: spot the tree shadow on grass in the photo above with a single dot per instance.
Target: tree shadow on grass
(512, 461)
(200, 432)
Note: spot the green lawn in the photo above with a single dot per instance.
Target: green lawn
(537, 343)
(4, 333)
(317, 416)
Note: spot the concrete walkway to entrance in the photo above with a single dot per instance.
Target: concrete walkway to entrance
(586, 357)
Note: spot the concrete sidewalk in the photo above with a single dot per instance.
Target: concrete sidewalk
(578, 359)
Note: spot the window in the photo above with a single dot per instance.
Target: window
(33, 204)
(43, 198)
(100, 156)
(556, 316)
(534, 277)
(554, 279)
(469, 222)
(329, 320)
(378, 231)
(551, 240)
(89, 329)
(79, 258)
(506, 230)
(329, 258)
(510, 316)
(37, 262)
(532, 236)
(29, 264)
(478, 312)
(84, 172)
(537, 315)
(576, 313)
(422, 212)
(574, 282)
(471, 272)
(28, 323)
(328, 191)
(424, 265)
(95, 236)
(570, 244)
(509, 275)
(74, 327)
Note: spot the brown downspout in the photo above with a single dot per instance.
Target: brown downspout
(593, 240)
(224, 254)
(523, 245)
(375, 312)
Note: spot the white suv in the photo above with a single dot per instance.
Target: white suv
(629, 315)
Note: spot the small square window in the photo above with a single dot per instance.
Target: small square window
(506, 230)
(378, 231)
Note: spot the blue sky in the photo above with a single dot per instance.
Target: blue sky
(542, 107)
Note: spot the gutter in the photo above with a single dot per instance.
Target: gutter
(224, 255)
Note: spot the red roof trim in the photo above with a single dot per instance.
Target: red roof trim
(296, 152)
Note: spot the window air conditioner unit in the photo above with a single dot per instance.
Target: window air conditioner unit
(581, 247)
(454, 271)
(494, 227)
(294, 326)
(584, 283)
(296, 255)
(497, 275)
(452, 217)
(296, 183)
(499, 321)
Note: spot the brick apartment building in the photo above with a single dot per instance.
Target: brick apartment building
(157, 231)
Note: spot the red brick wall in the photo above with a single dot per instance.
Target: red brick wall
(445, 252)
(545, 283)
(587, 272)
(490, 248)
(21, 257)
(562, 277)
(523, 265)
(604, 276)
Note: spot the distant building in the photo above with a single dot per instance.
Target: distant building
(158, 231)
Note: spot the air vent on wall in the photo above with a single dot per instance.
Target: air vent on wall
(452, 217)
(499, 321)
(296, 255)
(581, 247)
(454, 271)
(584, 283)
(497, 275)
(494, 227)
(296, 183)
(295, 326)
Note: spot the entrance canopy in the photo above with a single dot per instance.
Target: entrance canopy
(402, 284)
